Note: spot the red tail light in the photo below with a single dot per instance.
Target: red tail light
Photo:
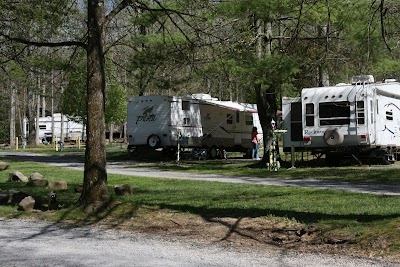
(306, 138)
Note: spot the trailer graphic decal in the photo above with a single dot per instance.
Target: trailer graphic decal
(147, 115)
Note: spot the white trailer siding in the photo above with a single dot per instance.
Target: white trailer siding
(292, 122)
(228, 124)
(331, 109)
(186, 121)
(163, 116)
(201, 121)
(388, 121)
(361, 119)
(366, 115)
(71, 129)
(149, 116)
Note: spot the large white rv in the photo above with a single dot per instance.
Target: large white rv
(195, 121)
(361, 119)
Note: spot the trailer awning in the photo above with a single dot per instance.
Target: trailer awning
(236, 106)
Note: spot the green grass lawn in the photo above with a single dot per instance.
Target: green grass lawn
(368, 217)
(380, 174)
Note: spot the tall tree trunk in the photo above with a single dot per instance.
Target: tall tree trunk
(265, 96)
(267, 106)
(12, 115)
(111, 137)
(95, 192)
(43, 97)
(37, 120)
(31, 100)
(323, 74)
(62, 133)
(52, 104)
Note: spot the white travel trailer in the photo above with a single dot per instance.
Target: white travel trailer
(71, 130)
(361, 119)
(195, 121)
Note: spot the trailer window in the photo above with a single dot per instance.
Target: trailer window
(310, 114)
(237, 116)
(334, 113)
(372, 112)
(249, 119)
(42, 127)
(185, 105)
(186, 121)
(229, 119)
(360, 112)
(296, 130)
(389, 115)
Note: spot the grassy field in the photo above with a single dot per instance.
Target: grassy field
(372, 221)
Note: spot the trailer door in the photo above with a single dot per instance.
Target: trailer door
(238, 129)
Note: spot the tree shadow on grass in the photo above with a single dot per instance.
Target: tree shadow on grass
(271, 234)
(303, 217)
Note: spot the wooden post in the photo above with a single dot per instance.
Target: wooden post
(56, 143)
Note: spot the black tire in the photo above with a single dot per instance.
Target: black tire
(248, 154)
(213, 152)
(332, 160)
(153, 141)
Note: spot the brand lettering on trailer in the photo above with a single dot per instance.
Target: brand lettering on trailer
(313, 132)
(147, 116)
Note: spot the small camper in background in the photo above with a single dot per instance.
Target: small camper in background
(197, 121)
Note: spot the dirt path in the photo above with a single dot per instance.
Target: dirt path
(38, 243)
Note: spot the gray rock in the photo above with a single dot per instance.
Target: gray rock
(36, 176)
(15, 197)
(37, 182)
(17, 177)
(36, 179)
(27, 203)
(4, 166)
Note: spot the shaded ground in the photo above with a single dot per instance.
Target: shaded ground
(255, 233)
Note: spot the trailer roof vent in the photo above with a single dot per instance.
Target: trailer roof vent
(390, 80)
(341, 84)
(203, 97)
(362, 79)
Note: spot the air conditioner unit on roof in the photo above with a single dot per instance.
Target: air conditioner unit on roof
(362, 79)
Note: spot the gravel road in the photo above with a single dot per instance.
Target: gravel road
(37, 243)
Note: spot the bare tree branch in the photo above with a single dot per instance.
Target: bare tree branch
(383, 31)
(44, 44)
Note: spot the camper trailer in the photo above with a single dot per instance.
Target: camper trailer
(195, 121)
(360, 119)
(59, 123)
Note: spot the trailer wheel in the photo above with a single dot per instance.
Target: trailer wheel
(153, 141)
(213, 153)
(332, 160)
(333, 137)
